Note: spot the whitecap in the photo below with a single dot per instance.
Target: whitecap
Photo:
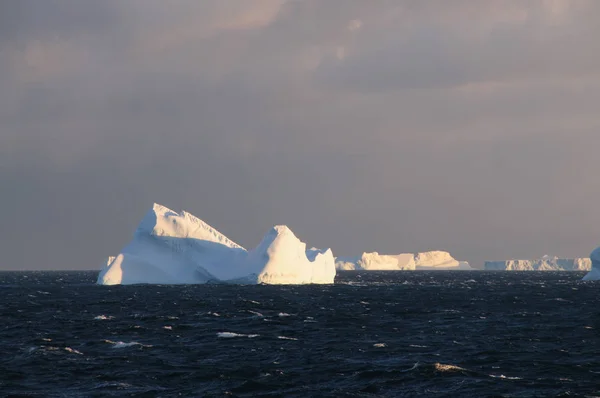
(441, 367)
(416, 365)
(121, 344)
(287, 338)
(282, 314)
(73, 351)
(505, 377)
(230, 335)
(560, 299)
(257, 314)
(168, 327)
(380, 345)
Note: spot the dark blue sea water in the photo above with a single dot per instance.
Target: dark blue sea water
(388, 334)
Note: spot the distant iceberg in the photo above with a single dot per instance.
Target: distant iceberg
(433, 260)
(439, 260)
(594, 274)
(376, 262)
(546, 263)
(179, 248)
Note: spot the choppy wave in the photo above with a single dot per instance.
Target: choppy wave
(446, 334)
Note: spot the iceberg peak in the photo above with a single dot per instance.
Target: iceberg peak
(161, 221)
(280, 230)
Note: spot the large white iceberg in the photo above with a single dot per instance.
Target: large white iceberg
(594, 274)
(433, 260)
(546, 263)
(179, 248)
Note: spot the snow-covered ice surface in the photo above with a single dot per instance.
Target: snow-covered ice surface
(433, 260)
(546, 263)
(594, 274)
(179, 248)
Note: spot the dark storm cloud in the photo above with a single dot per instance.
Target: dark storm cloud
(390, 126)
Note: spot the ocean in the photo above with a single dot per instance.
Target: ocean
(371, 334)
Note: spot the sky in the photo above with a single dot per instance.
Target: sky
(386, 125)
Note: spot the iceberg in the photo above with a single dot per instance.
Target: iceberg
(433, 260)
(594, 274)
(281, 258)
(376, 262)
(546, 263)
(439, 260)
(179, 248)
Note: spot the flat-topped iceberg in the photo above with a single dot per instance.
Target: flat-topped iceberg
(377, 262)
(594, 274)
(433, 260)
(439, 260)
(179, 248)
(546, 263)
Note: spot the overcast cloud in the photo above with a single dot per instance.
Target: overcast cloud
(390, 126)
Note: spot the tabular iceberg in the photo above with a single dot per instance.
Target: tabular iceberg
(594, 274)
(377, 262)
(439, 260)
(179, 248)
(546, 263)
(433, 260)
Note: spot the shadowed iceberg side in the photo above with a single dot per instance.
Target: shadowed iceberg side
(594, 274)
(179, 248)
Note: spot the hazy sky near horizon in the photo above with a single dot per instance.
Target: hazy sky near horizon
(390, 126)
